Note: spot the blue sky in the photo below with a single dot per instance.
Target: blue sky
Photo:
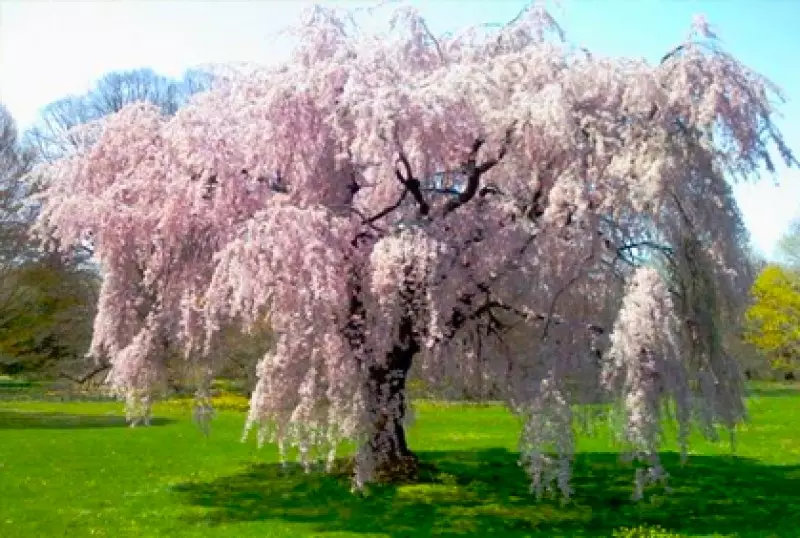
(50, 49)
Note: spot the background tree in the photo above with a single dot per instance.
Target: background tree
(15, 162)
(48, 327)
(53, 135)
(55, 296)
(15, 249)
(46, 300)
(243, 351)
(774, 318)
(490, 204)
(789, 246)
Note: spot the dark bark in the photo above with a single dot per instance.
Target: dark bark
(396, 461)
(389, 445)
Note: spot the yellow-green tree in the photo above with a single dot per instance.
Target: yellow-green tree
(773, 321)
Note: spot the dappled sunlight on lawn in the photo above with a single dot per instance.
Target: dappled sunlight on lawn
(170, 480)
(485, 492)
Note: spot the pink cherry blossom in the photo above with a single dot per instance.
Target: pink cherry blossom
(490, 205)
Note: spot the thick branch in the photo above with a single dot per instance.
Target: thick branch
(406, 177)
(474, 171)
(413, 187)
(411, 183)
(386, 210)
(645, 244)
(459, 318)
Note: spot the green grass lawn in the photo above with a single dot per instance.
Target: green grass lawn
(74, 469)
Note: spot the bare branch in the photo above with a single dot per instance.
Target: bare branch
(406, 176)
(411, 183)
(387, 210)
(87, 376)
(674, 52)
(414, 188)
(666, 249)
(459, 318)
(577, 276)
(474, 171)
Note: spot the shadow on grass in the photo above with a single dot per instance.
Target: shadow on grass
(23, 420)
(485, 493)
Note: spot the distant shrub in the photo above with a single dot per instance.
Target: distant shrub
(223, 386)
(230, 402)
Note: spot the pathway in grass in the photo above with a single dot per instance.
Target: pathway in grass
(74, 469)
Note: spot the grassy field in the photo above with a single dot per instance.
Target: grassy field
(74, 469)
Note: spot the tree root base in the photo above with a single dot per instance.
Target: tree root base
(399, 470)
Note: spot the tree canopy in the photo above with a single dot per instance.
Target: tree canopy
(494, 203)
(773, 321)
(47, 318)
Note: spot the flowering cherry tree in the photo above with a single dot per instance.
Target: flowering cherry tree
(493, 204)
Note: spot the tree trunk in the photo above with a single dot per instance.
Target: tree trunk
(393, 458)
(386, 386)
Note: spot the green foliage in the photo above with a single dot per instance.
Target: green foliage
(46, 302)
(242, 352)
(645, 532)
(47, 317)
(238, 353)
(773, 320)
(170, 480)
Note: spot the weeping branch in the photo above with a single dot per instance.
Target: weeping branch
(88, 375)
